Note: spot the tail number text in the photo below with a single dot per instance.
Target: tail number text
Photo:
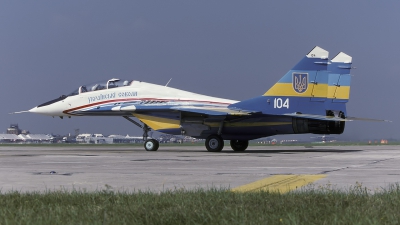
(279, 103)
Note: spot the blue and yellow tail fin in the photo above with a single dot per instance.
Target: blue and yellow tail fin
(308, 78)
(315, 85)
(339, 78)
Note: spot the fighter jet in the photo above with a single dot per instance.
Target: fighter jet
(309, 98)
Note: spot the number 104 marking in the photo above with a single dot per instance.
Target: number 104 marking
(279, 103)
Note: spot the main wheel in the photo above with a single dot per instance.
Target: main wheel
(239, 145)
(214, 143)
(151, 145)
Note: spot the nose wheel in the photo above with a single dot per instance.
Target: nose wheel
(214, 143)
(151, 145)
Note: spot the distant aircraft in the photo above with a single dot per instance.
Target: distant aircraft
(324, 139)
(310, 98)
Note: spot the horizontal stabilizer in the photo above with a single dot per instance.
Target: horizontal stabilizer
(332, 118)
(367, 119)
(317, 117)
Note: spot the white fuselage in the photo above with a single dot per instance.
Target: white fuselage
(136, 91)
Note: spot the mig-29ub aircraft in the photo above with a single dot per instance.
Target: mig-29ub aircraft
(310, 98)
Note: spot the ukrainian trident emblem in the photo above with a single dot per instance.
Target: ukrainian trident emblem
(300, 82)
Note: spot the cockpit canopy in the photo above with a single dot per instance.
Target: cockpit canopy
(107, 84)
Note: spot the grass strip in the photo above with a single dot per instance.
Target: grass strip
(213, 206)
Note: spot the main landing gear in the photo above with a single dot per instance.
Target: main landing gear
(239, 145)
(214, 143)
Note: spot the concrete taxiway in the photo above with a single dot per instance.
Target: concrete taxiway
(39, 168)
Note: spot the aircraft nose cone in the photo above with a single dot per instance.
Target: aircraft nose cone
(33, 110)
(45, 110)
(54, 107)
(37, 110)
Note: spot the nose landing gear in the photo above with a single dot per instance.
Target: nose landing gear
(149, 144)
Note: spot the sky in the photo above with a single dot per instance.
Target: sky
(229, 49)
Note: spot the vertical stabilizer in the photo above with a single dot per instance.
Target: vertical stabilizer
(308, 78)
(342, 57)
(339, 78)
(318, 52)
(303, 89)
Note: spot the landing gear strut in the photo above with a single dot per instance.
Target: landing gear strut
(239, 145)
(146, 130)
(149, 144)
(214, 143)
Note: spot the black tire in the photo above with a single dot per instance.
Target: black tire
(239, 145)
(151, 145)
(214, 143)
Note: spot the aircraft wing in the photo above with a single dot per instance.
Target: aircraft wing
(332, 118)
(214, 111)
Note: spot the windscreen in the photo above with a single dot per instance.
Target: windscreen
(101, 85)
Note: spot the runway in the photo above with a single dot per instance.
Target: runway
(181, 167)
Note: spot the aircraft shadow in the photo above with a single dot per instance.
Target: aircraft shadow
(225, 151)
(258, 151)
(291, 151)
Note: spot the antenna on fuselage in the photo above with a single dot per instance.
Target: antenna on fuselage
(168, 82)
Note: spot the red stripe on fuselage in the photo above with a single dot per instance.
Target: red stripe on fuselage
(141, 99)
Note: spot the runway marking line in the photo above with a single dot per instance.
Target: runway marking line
(279, 183)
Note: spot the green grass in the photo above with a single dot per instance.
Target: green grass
(215, 206)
